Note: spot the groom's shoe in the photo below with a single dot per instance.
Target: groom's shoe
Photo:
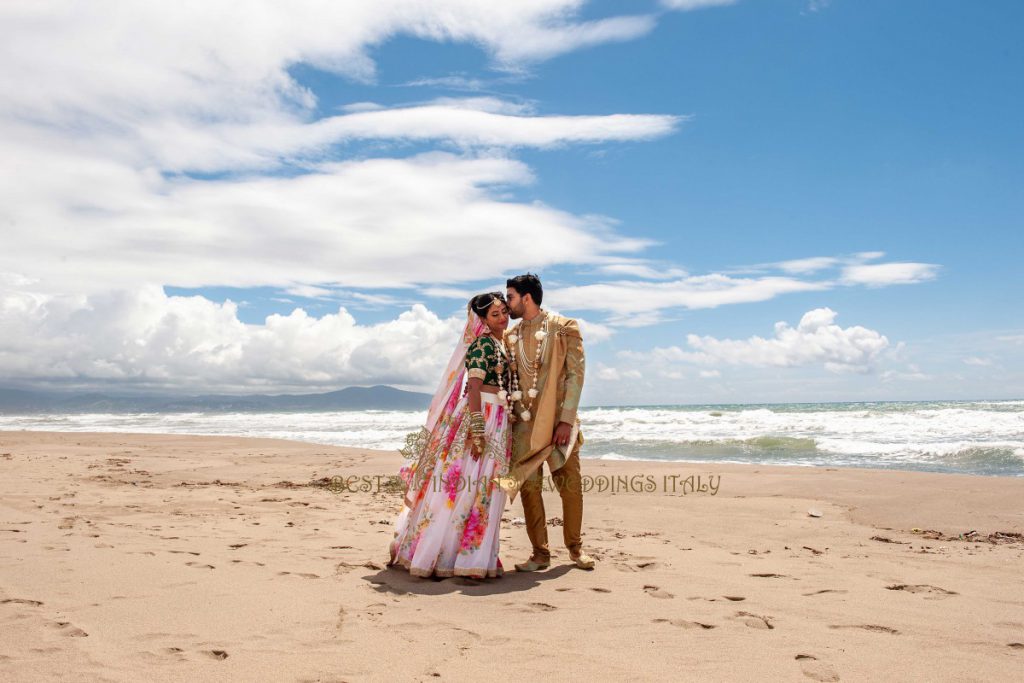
(533, 565)
(583, 561)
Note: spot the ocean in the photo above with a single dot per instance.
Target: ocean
(971, 437)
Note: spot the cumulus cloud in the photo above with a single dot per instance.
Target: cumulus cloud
(816, 340)
(149, 340)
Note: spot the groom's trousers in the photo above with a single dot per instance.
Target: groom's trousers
(569, 484)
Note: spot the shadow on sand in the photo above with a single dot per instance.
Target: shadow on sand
(397, 581)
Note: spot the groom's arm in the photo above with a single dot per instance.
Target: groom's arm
(575, 365)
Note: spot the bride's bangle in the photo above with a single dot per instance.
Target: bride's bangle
(477, 424)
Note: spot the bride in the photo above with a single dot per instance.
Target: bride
(451, 516)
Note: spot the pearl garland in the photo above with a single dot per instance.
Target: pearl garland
(531, 369)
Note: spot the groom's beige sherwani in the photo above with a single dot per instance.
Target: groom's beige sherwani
(559, 381)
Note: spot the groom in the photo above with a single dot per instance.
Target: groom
(548, 351)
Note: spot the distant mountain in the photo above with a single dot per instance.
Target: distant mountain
(353, 398)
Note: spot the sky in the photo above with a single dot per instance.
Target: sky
(742, 201)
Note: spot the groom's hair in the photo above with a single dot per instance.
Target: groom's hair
(527, 284)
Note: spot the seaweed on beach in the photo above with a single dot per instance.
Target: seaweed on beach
(972, 536)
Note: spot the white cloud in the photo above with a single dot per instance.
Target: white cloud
(106, 103)
(373, 223)
(453, 82)
(687, 5)
(149, 340)
(884, 274)
(594, 333)
(890, 376)
(610, 374)
(642, 270)
(710, 374)
(629, 299)
(174, 146)
(308, 292)
(177, 57)
(808, 265)
(816, 340)
(1011, 338)
(979, 362)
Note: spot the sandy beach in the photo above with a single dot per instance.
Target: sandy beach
(150, 557)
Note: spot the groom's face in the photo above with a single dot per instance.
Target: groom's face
(515, 303)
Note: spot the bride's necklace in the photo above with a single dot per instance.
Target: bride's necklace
(501, 362)
(532, 369)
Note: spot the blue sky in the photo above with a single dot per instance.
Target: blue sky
(857, 133)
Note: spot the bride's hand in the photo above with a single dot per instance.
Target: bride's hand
(475, 450)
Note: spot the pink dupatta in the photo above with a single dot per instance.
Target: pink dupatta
(442, 405)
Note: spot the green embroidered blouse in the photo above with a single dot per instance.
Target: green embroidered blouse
(485, 361)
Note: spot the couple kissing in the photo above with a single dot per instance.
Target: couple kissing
(506, 404)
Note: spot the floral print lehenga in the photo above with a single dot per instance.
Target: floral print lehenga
(450, 520)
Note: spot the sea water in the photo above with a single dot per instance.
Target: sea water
(973, 437)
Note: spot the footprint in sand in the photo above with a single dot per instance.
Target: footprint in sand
(534, 606)
(734, 598)
(867, 627)
(199, 565)
(601, 590)
(67, 629)
(755, 620)
(345, 567)
(656, 592)
(21, 601)
(815, 670)
(823, 591)
(300, 574)
(769, 576)
(934, 592)
(1016, 646)
(682, 623)
(216, 654)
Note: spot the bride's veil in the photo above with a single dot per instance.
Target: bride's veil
(418, 445)
(451, 380)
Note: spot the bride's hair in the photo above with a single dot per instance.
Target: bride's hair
(481, 302)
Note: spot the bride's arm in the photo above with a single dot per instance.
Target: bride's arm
(473, 393)
(476, 363)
